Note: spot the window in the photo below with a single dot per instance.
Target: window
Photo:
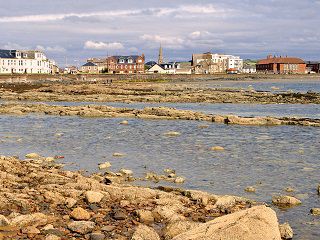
(121, 60)
(130, 60)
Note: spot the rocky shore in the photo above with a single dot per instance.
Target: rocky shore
(148, 92)
(150, 113)
(40, 200)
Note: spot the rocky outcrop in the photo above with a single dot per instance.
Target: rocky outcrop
(257, 223)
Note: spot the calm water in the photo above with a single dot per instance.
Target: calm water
(279, 85)
(269, 158)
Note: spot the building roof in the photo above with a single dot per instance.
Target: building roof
(126, 58)
(89, 64)
(7, 53)
(272, 60)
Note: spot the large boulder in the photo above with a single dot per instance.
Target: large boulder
(257, 223)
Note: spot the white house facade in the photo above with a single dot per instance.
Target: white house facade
(29, 61)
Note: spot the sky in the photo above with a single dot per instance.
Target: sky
(70, 31)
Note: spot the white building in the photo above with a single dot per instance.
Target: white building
(164, 68)
(31, 62)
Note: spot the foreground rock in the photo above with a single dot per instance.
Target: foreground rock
(286, 231)
(144, 232)
(243, 225)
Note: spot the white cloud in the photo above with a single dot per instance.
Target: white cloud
(199, 35)
(92, 45)
(168, 41)
(13, 46)
(55, 49)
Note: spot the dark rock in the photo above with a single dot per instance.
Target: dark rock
(119, 215)
(97, 236)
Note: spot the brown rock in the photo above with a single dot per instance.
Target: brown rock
(82, 227)
(144, 232)
(286, 231)
(175, 228)
(31, 230)
(80, 214)
(93, 197)
(285, 201)
(145, 216)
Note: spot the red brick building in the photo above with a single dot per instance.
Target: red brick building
(281, 65)
(126, 64)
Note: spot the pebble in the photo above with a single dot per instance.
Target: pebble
(179, 180)
(97, 236)
(33, 156)
(125, 122)
(119, 215)
(93, 197)
(217, 148)
(80, 214)
(70, 202)
(82, 227)
(126, 171)
(104, 165)
(289, 189)
(250, 189)
(118, 154)
(315, 211)
(172, 134)
(108, 228)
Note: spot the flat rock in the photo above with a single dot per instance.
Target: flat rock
(145, 216)
(257, 223)
(119, 215)
(175, 228)
(93, 197)
(80, 214)
(285, 201)
(35, 219)
(144, 232)
(33, 156)
(31, 230)
(97, 236)
(82, 227)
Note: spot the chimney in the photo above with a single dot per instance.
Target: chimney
(269, 56)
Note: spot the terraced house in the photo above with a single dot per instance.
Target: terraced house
(25, 61)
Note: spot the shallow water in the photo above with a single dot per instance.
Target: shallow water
(269, 158)
(278, 85)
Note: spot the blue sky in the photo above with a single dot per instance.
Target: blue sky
(78, 29)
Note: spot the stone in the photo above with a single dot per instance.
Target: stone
(35, 219)
(144, 232)
(169, 171)
(145, 216)
(82, 227)
(285, 201)
(217, 148)
(225, 202)
(52, 237)
(175, 228)
(97, 236)
(104, 165)
(93, 197)
(257, 223)
(108, 228)
(119, 215)
(118, 154)
(315, 211)
(318, 189)
(80, 214)
(250, 189)
(48, 227)
(33, 156)
(50, 159)
(172, 134)
(179, 180)
(4, 221)
(124, 122)
(31, 230)
(289, 189)
(70, 202)
(126, 171)
(286, 231)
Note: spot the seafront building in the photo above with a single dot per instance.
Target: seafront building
(25, 61)
(281, 65)
(210, 63)
(313, 67)
(115, 65)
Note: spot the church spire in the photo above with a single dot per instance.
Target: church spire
(160, 59)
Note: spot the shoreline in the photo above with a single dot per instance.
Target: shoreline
(39, 199)
(155, 113)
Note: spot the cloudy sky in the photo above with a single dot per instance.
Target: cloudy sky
(74, 30)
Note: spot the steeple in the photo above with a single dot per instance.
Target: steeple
(160, 59)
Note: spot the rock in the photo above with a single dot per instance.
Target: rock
(118, 154)
(286, 231)
(319, 189)
(52, 237)
(48, 227)
(70, 202)
(225, 202)
(289, 189)
(175, 228)
(108, 228)
(315, 211)
(257, 223)
(145, 216)
(172, 134)
(33, 156)
(179, 180)
(169, 171)
(217, 148)
(80, 214)
(250, 189)
(93, 197)
(119, 215)
(4, 221)
(125, 122)
(144, 232)
(285, 201)
(50, 159)
(35, 219)
(97, 236)
(31, 230)
(82, 227)
(104, 165)
(126, 171)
